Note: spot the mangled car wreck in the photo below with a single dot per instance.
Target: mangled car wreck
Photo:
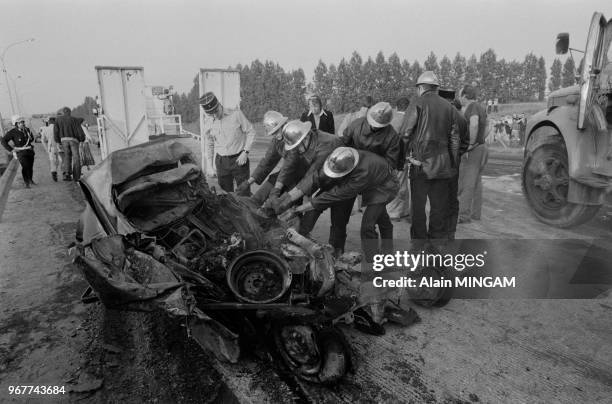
(157, 237)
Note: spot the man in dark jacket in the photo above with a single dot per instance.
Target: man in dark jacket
(375, 134)
(68, 131)
(348, 172)
(433, 147)
(19, 141)
(464, 142)
(273, 123)
(320, 118)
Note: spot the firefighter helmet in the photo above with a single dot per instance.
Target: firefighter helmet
(380, 115)
(341, 162)
(17, 118)
(294, 132)
(273, 121)
(428, 77)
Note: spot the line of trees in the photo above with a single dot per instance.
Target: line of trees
(266, 85)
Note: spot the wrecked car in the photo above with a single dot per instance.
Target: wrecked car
(155, 236)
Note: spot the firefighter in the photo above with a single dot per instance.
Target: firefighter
(432, 138)
(346, 173)
(273, 123)
(19, 141)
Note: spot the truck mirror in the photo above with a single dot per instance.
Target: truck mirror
(562, 43)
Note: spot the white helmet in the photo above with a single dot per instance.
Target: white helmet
(16, 118)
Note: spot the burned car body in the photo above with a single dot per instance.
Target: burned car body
(155, 236)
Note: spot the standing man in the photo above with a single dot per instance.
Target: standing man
(433, 147)
(52, 147)
(273, 123)
(68, 131)
(464, 142)
(474, 159)
(19, 141)
(229, 136)
(320, 118)
(348, 173)
(400, 206)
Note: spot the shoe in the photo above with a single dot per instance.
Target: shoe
(32, 182)
(27, 185)
(54, 175)
(338, 252)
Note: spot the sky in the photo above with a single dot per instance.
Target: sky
(173, 39)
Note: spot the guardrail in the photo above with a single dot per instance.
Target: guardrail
(6, 180)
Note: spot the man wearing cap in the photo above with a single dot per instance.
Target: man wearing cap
(273, 123)
(19, 141)
(229, 136)
(346, 173)
(52, 147)
(432, 148)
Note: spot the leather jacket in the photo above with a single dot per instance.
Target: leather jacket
(432, 135)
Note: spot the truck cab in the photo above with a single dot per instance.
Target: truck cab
(567, 168)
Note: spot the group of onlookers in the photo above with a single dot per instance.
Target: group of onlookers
(63, 138)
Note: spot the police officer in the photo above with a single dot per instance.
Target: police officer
(19, 141)
(432, 145)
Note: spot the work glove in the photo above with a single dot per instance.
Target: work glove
(274, 193)
(242, 159)
(243, 188)
(284, 203)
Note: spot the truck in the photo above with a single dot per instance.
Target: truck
(567, 164)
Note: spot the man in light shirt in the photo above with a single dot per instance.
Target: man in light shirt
(229, 136)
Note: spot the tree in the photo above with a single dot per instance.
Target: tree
(85, 110)
(458, 71)
(471, 71)
(446, 70)
(431, 63)
(321, 81)
(487, 67)
(530, 80)
(555, 75)
(381, 77)
(541, 77)
(357, 82)
(568, 76)
(395, 86)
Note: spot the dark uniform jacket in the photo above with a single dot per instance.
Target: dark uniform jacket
(321, 145)
(384, 142)
(274, 154)
(20, 139)
(432, 135)
(372, 178)
(68, 127)
(326, 122)
(464, 132)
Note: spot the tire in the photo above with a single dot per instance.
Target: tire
(323, 355)
(545, 181)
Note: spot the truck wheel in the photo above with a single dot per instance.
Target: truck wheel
(546, 181)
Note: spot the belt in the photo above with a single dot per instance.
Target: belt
(229, 156)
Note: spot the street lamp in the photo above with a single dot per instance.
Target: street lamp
(8, 86)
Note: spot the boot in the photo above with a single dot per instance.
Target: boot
(54, 175)
(338, 252)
